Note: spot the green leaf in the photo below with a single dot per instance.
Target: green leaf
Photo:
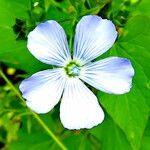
(143, 8)
(146, 138)
(32, 141)
(110, 136)
(13, 51)
(33, 138)
(130, 111)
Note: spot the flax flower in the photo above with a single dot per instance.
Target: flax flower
(79, 107)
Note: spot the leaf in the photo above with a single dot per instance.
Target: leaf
(110, 136)
(13, 51)
(143, 8)
(37, 138)
(130, 111)
(32, 141)
(146, 138)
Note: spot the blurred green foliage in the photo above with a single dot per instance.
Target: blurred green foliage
(126, 125)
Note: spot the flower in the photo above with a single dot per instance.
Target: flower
(79, 107)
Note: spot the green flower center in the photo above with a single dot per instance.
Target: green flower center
(72, 69)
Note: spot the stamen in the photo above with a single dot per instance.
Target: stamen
(72, 69)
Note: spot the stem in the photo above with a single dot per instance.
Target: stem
(11, 85)
(39, 120)
(45, 127)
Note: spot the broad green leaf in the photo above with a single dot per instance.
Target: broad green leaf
(146, 138)
(110, 136)
(130, 111)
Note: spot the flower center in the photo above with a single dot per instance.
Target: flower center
(72, 69)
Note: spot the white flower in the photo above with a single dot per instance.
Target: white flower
(79, 107)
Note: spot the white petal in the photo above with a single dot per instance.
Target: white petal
(111, 75)
(48, 43)
(43, 90)
(93, 37)
(79, 106)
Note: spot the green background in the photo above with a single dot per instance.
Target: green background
(126, 125)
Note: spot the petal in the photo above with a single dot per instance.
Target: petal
(93, 37)
(43, 90)
(48, 43)
(79, 106)
(111, 75)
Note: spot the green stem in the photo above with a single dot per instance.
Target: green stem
(39, 120)
(45, 127)
(11, 85)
